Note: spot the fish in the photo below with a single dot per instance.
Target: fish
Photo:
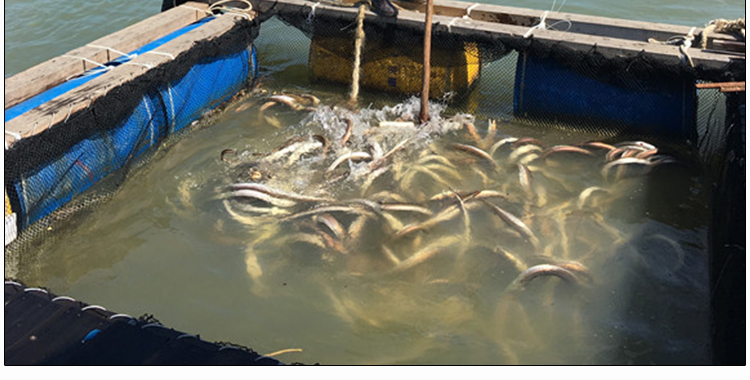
(474, 151)
(542, 270)
(524, 178)
(426, 253)
(353, 156)
(347, 133)
(331, 224)
(623, 162)
(515, 223)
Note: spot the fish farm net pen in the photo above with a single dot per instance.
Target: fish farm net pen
(549, 173)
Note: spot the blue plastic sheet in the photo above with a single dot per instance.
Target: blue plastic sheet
(162, 112)
(44, 97)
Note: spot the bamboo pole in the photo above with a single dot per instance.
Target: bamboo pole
(423, 113)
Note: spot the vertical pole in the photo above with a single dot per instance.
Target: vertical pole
(423, 112)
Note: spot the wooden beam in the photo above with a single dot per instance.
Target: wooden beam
(728, 46)
(580, 24)
(516, 27)
(56, 112)
(48, 74)
(724, 86)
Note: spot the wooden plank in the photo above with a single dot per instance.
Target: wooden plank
(724, 86)
(729, 46)
(580, 24)
(583, 24)
(56, 112)
(50, 73)
(607, 46)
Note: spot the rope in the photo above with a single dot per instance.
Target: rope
(312, 13)
(542, 22)
(358, 44)
(723, 26)
(219, 7)
(129, 56)
(86, 73)
(70, 110)
(541, 25)
(148, 66)
(469, 9)
(450, 24)
(466, 16)
(51, 120)
(159, 53)
(87, 60)
(15, 135)
(684, 43)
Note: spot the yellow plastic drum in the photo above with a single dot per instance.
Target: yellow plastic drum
(395, 69)
(8, 210)
(10, 221)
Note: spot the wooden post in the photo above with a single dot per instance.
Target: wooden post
(423, 112)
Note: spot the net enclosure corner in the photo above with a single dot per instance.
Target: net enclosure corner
(74, 120)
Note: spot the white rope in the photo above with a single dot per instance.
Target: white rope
(148, 66)
(150, 120)
(219, 6)
(541, 25)
(552, 26)
(450, 24)
(130, 56)
(683, 42)
(469, 9)
(687, 42)
(87, 60)
(86, 73)
(466, 16)
(70, 110)
(238, 13)
(51, 120)
(15, 135)
(312, 13)
(159, 53)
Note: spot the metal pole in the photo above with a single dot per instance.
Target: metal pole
(423, 112)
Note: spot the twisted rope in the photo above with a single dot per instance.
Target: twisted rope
(358, 44)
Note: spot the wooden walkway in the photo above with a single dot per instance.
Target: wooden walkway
(610, 36)
(44, 329)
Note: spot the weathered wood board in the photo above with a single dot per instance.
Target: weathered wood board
(56, 112)
(50, 73)
(612, 37)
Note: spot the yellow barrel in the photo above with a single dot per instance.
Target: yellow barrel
(395, 69)
(8, 210)
(10, 222)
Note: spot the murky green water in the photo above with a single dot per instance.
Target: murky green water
(166, 244)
